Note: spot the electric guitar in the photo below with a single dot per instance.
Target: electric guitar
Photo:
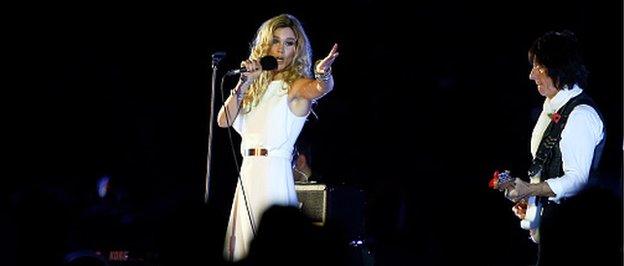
(529, 209)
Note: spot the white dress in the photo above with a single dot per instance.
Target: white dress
(267, 180)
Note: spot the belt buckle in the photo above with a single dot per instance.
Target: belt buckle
(257, 152)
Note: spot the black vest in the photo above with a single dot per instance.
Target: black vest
(548, 156)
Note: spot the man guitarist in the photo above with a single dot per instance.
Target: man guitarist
(566, 142)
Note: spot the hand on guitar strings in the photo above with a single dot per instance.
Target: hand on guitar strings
(520, 209)
(520, 190)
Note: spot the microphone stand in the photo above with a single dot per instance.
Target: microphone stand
(216, 58)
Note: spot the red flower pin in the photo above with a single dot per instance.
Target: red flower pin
(554, 117)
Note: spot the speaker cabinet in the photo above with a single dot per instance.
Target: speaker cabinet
(313, 201)
(339, 205)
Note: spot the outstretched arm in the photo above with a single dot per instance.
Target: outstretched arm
(323, 81)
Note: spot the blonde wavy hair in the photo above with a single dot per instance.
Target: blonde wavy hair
(300, 66)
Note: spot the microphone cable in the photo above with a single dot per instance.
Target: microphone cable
(229, 130)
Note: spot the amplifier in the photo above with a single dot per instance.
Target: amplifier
(313, 201)
(339, 205)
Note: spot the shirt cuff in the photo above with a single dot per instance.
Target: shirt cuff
(556, 188)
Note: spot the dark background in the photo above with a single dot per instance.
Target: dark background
(431, 97)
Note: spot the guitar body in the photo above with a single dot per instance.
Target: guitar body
(533, 206)
(533, 214)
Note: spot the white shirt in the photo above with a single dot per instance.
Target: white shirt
(580, 136)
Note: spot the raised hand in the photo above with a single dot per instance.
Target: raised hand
(324, 65)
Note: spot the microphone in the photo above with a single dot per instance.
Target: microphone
(217, 57)
(267, 62)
